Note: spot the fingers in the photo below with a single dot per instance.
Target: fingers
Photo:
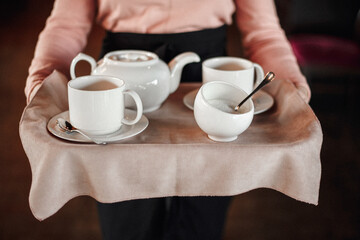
(304, 92)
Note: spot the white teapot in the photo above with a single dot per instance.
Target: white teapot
(142, 71)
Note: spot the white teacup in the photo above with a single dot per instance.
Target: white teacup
(238, 71)
(96, 104)
(214, 111)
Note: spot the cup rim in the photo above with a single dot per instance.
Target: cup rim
(105, 77)
(210, 63)
(232, 85)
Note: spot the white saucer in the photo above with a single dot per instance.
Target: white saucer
(262, 101)
(189, 99)
(124, 132)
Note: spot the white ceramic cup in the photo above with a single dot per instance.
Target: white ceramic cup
(96, 104)
(220, 121)
(238, 71)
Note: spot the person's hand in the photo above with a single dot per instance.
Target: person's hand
(304, 91)
(32, 93)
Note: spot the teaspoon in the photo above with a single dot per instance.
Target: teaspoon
(270, 76)
(68, 128)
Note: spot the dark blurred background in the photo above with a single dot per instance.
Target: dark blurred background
(325, 36)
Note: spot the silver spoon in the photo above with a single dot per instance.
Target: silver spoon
(270, 76)
(69, 128)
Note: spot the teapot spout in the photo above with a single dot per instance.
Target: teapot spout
(176, 66)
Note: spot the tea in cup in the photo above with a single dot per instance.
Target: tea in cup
(96, 104)
(214, 111)
(238, 71)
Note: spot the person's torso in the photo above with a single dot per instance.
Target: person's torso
(163, 16)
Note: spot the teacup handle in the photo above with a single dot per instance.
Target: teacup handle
(139, 107)
(79, 57)
(259, 72)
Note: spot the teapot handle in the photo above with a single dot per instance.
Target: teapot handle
(79, 57)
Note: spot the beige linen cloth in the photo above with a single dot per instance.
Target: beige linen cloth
(172, 157)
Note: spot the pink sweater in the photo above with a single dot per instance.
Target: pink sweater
(67, 29)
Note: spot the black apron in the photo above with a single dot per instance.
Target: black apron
(206, 43)
(147, 218)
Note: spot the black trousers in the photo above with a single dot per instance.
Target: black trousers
(187, 218)
(176, 218)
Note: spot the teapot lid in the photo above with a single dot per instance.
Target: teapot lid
(131, 56)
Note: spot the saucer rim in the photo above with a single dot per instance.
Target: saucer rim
(187, 96)
(267, 106)
(108, 138)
